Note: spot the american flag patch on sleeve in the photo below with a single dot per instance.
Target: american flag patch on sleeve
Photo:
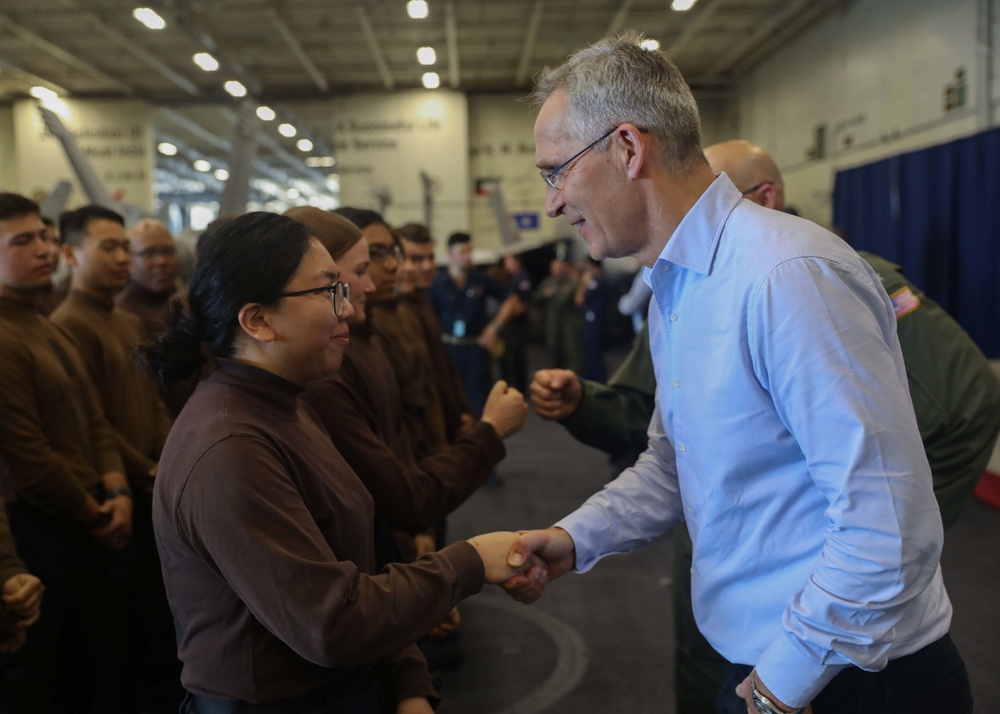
(904, 302)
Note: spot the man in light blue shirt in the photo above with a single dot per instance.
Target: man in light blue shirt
(783, 434)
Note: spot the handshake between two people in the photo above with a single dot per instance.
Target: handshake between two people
(523, 563)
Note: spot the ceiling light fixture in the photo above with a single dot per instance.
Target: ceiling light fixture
(235, 88)
(417, 9)
(287, 130)
(650, 45)
(304, 145)
(202, 165)
(43, 93)
(293, 193)
(426, 55)
(166, 148)
(682, 5)
(148, 17)
(431, 80)
(206, 61)
(221, 174)
(321, 162)
(266, 113)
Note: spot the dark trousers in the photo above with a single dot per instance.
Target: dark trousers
(360, 695)
(154, 671)
(514, 365)
(473, 365)
(929, 681)
(74, 657)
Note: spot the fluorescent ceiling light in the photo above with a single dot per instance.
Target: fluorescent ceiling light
(431, 80)
(426, 55)
(287, 130)
(221, 174)
(206, 61)
(43, 93)
(304, 145)
(166, 148)
(320, 162)
(266, 113)
(682, 5)
(148, 17)
(293, 193)
(650, 45)
(235, 88)
(202, 165)
(417, 9)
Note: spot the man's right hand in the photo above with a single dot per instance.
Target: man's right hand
(22, 595)
(554, 547)
(556, 393)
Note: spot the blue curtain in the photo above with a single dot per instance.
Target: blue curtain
(935, 212)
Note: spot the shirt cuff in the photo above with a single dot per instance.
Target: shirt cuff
(586, 526)
(792, 676)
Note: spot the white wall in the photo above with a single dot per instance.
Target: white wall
(874, 74)
(8, 168)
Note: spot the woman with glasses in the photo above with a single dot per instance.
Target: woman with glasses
(264, 530)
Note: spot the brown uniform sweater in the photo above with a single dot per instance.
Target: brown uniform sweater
(149, 307)
(265, 534)
(401, 333)
(104, 336)
(54, 439)
(360, 407)
(449, 382)
(10, 564)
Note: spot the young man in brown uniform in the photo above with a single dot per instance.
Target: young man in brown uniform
(152, 274)
(96, 248)
(65, 490)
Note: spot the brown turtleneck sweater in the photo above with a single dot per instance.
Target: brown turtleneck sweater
(104, 336)
(361, 408)
(403, 338)
(265, 534)
(55, 441)
(149, 307)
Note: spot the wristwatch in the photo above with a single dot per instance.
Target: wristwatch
(763, 705)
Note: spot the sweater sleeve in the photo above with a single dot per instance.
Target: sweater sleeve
(331, 613)
(410, 496)
(10, 564)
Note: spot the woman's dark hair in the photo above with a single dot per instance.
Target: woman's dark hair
(251, 259)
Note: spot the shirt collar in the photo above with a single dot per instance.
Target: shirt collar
(696, 240)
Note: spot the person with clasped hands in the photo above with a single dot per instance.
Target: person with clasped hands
(783, 432)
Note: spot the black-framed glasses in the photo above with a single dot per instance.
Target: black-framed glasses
(339, 292)
(758, 187)
(385, 254)
(552, 177)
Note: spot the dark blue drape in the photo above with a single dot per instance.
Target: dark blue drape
(936, 212)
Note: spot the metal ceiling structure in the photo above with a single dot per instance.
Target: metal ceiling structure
(290, 54)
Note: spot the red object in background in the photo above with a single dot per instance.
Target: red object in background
(988, 490)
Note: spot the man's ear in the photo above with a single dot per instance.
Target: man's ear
(68, 254)
(254, 321)
(768, 196)
(635, 146)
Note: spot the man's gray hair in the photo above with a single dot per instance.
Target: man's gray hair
(615, 81)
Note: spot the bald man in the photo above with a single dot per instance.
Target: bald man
(152, 274)
(954, 392)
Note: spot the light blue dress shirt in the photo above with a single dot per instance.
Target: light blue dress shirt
(784, 435)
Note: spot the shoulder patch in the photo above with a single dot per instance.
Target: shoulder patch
(904, 302)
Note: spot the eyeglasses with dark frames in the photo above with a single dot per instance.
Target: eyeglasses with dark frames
(757, 188)
(385, 254)
(552, 177)
(339, 292)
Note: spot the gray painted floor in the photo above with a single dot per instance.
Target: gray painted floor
(601, 642)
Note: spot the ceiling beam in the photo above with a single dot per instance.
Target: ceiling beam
(196, 129)
(815, 12)
(618, 21)
(141, 53)
(451, 40)
(64, 56)
(530, 37)
(706, 9)
(762, 34)
(296, 47)
(373, 46)
(31, 79)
